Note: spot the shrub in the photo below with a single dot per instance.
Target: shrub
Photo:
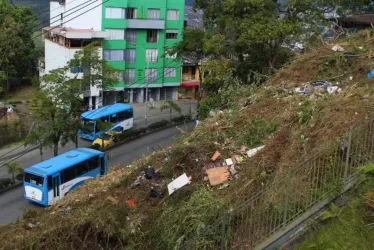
(181, 118)
(5, 182)
(157, 125)
(19, 177)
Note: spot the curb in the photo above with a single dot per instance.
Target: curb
(17, 154)
(16, 184)
(145, 134)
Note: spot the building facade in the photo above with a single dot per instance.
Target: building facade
(134, 36)
(190, 81)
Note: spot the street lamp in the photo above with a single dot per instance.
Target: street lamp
(146, 86)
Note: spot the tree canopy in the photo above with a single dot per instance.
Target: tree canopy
(18, 56)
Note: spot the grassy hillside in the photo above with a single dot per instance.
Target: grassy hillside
(292, 127)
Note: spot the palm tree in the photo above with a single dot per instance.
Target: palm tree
(170, 105)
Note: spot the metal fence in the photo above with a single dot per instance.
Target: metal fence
(291, 194)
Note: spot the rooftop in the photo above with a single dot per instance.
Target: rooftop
(75, 33)
(62, 161)
(106, 111)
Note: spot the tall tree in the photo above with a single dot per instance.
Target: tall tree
(60, 98)
(18, 56)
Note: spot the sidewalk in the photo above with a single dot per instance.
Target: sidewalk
(32, 157)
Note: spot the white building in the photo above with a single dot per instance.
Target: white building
(62, 41)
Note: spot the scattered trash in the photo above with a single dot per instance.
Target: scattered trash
(243, 149)
(30, 225)
(220, 140)
(129, 166)
(229, 162)
(233, 170)
(333, 89)
(178, 183)
(197, 160)
(254, 151)
(186, 143)
(321, 83)
(137, 182)
(113, 200)
(206, 178)
(366, 96)
(65, 211)
(91, 195)
(131, 203)
(218, 175)
(211, 113)
(150, 173)
(155, 194)
(371, 73)
(215, 156)
(338, 48)
(237, 159)
(351, 78)
(225, 185)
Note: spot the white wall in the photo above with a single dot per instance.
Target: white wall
(89, 20)
(57, 56)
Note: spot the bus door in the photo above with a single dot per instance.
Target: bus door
(56, 187)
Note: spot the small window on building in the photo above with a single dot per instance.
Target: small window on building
(131, 35)
(170, 72)
(152, 36)
(170, 55)
(173, 15)
(115, 13)
(150, 75)
(115, 34)
(76, 70)
(131, 13)
(130, 55)
(129, 76)
(151, 55)
(113, 55)
(154, 14)
(171, 34)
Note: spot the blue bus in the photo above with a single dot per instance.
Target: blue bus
(119, 114)
(49, 181)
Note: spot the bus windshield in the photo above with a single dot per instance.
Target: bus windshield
(34, 179)
(89, 126)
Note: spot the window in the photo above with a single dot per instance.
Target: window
(82, 168)
(115, 34)
(152, 36)
(173, 15)
(154, 14)
(50, 185)
(76, 69)
(171, 34)
(129, 75)
(128, 114)
(113, 118)
(151, 55)
(130, 55)
(113, 55)
(115, 13)
(185, 70)
(150, 75)
(170, 72)
(131, 35)
(168, 55)
(34, 179)
(68, 174)
(131, 13)
(93, 163)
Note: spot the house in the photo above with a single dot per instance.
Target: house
(190, 80)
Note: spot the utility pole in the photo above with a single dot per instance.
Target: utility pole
(200, 57)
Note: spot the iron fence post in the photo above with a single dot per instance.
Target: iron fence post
(286, 200)
(347, 157)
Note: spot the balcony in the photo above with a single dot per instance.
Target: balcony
(145, 24)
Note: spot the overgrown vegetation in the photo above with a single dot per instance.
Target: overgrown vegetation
(347, 227)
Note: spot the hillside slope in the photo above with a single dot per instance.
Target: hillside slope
(292, 126)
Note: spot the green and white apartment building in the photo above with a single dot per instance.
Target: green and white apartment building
(134, 36)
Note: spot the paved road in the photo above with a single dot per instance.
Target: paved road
(154, 115)
(12, 203)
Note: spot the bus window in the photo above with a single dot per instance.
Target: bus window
(82, 168)
(68, 174)
(114, 118)
(34, 179)
(125, 115)
(93, 163)
(50, 186)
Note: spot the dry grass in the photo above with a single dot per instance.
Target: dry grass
(291, 126)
